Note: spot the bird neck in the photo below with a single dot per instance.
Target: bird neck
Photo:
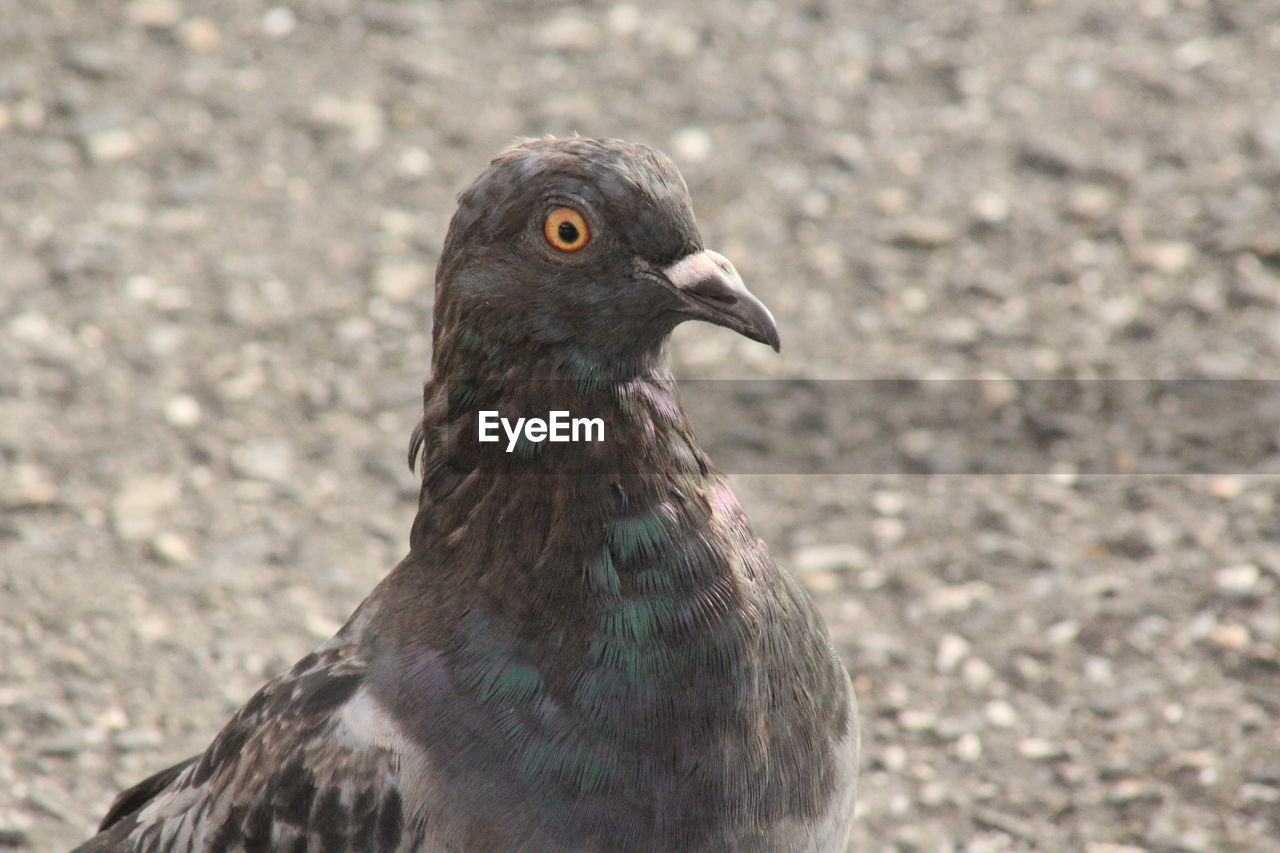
(537, 517)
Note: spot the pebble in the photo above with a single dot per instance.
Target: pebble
(1000, 714)
(1109, 847)
(1090, 202)
(363, 119)
(888, 531)
(923, 233)
(27, 486)
(968, 747)
(94, 61)
(1062, 633)
(172, 548)
(133, 740)
(1237, 581)
(989, 208)
(1251, 792)
(952, 649)
(957, 598)
(977, 674)
(414, 162)
(157, 14)
(1039, 749)
(569, 31)
(1134, 790)
(916, 720)
(182, 410)
(140, 504)
(1230, 637)
(268, 459)
(888, 503)
(691, 145)
(279, 22)
(110, 145)
(401, 280)
(200, 34)
(894, 758)
(838, 557)
(1168, 257)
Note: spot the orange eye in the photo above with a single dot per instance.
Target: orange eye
(566, 230)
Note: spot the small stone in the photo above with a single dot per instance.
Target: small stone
(133, 740)
(849, 151)
(30, 327)
(923, 233)
(400, 280)
(1109, 847)
(691, 145)
(1090, 202)
(989, 208)
(200, 34)
(821, 583)
(623, 19)
(278, 22)
(891, 201)
(363, 119)
(1039, 749)
(894, 758)
(414, 162)
(172, 548)
(1251, 792)
(968, 747)
(110, 144)
(1000, 714)
(1132, 791)
(157, 14)
(1169, 257)
(813, 559)
(1237, 581)
(952, 649)
(320, 627)
(268, 459)
(1231, 637)
(957, 598)
(916, 720)
(569, 31)
(92, 60)
(1061, 633)
(27, 486)
(182, 410)
(977, 674)
(1226, 487)
(888, 503)
(1099, 670)
(138, 507)
(888, 531)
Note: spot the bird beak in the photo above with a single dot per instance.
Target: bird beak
(713, 291)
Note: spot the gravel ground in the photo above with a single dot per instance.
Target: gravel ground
(218, 222)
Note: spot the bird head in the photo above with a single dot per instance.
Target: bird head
(587, 246)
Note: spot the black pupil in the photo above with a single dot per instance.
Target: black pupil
(568, 232)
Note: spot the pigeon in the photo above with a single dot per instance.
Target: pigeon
(586, 647)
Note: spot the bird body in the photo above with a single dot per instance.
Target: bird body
(586, 647)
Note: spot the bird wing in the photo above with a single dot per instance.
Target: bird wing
(311, 760)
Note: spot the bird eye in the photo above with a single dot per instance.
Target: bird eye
(566, 230)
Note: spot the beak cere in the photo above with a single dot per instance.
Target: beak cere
(714, 292)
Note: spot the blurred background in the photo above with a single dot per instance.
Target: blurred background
(218, 230)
